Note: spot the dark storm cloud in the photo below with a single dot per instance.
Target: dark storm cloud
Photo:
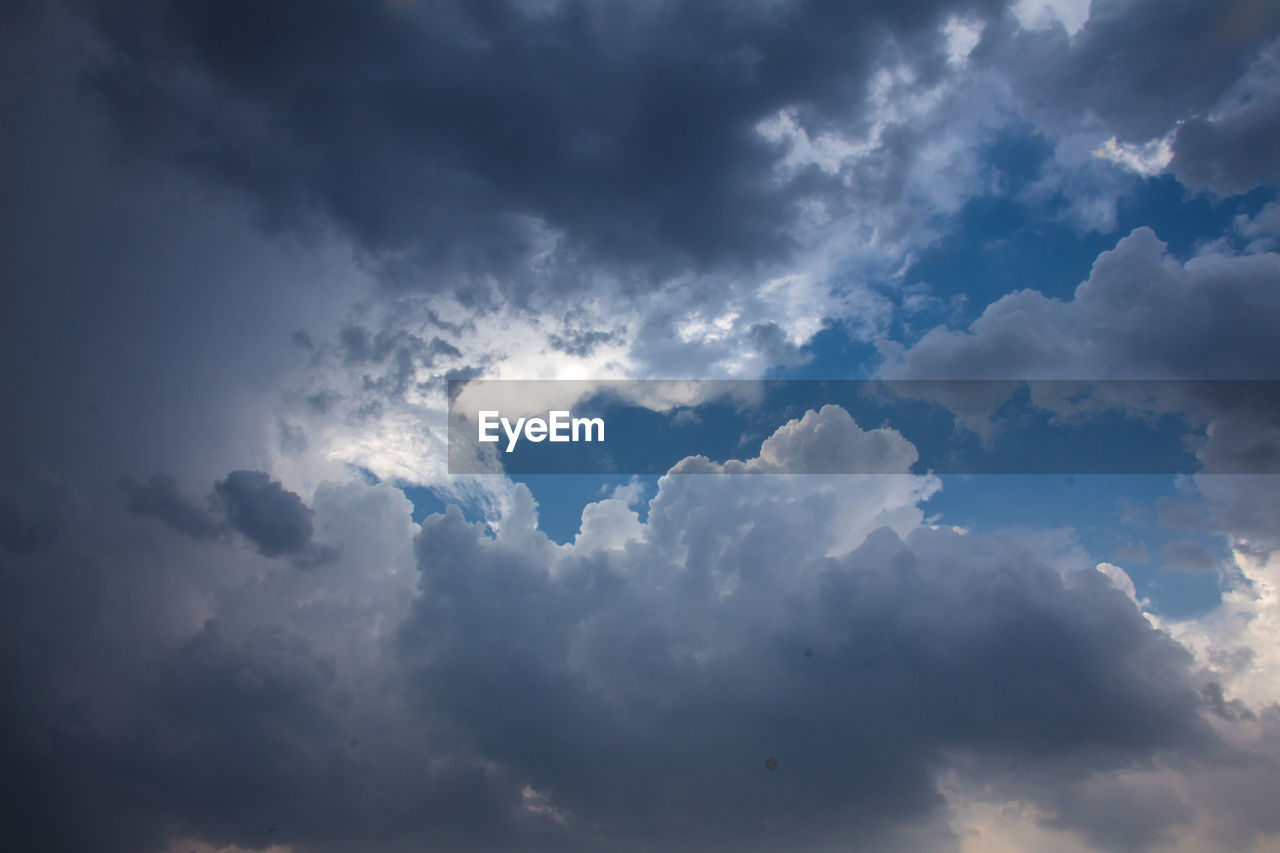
(1216, 699)
(36, 507)
(624, 715)
(267, 728)
(1140, 66)
(264, 512)
(205, 725)
(250, 740)
(274, 519)
(1234, 154)
(440, 129)
(1118, 817)
(16, 13)
(160, 497)
(119, 734)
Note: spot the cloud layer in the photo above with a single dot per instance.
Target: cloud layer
(246, 245)
(624, 691)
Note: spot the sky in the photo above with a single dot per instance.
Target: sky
(249, 605)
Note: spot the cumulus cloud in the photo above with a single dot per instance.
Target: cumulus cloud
(1141, 314)
(466, 686)
(686, 711)
(653, 678)
(827, 441)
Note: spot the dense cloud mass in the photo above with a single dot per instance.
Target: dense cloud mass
(533, 141)
(271, 517)
(629, 686)
(1191, 56)
(1229, 156)
(1226, 152)
(244, 606)
(36, 506)
(522, 144)
(472, 137)
(161, 498)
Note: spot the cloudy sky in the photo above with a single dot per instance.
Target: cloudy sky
(245, 246)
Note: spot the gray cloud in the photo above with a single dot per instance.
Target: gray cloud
(623, 693)
(452, 133)
(622, 711)
(1185, 555)
(1139, 66)
(821, 442)
(1181, 514)
(36, 507)
(264, 512)
(1144, 315)
(1198, 78)
(1139, 315)
(1233, 155)
(274, 519)
(161, 498)
(1245, 507)
(1117, 814)
(482, 690)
